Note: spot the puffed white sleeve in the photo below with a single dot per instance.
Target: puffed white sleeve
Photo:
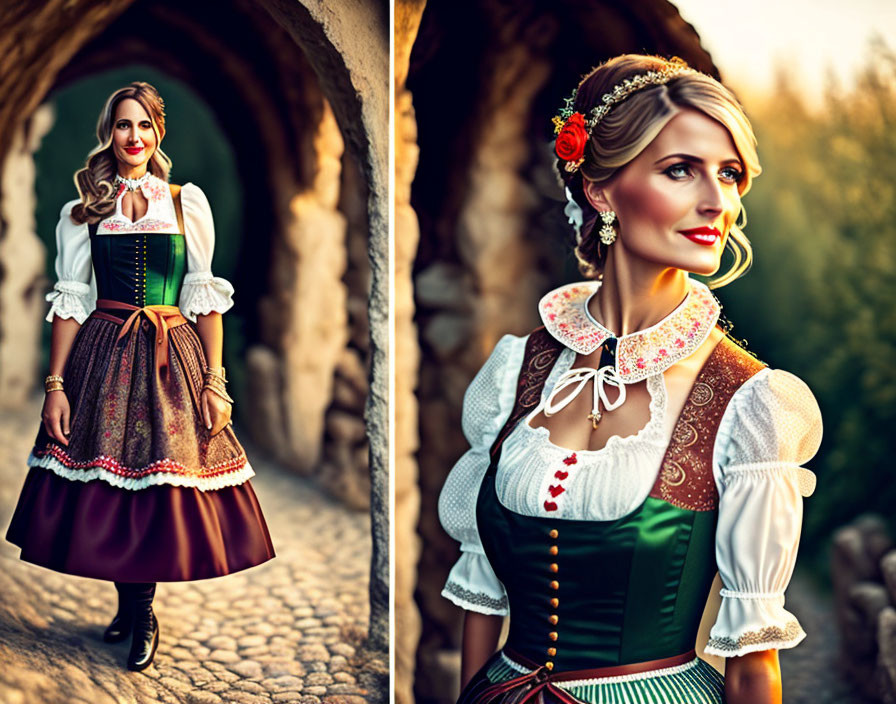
(72, 296)
(771, 427)
(472, 583)
(201, 292)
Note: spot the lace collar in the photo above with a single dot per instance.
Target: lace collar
(160, 215)
(640, 354)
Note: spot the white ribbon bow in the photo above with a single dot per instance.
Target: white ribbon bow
(579, 377)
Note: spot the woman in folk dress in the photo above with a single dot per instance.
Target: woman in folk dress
(136, 475)
(628, 450)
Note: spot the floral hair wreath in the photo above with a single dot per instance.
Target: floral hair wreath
(573, 130)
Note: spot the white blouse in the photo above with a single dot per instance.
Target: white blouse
(74, 294)
(771, 426)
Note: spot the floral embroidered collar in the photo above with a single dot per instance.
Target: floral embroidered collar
(160, 215)
(640, 354)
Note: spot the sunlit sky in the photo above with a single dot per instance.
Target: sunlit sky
(813, 38)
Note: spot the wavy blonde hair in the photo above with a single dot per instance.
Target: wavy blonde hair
(94, 181)
(632, 124)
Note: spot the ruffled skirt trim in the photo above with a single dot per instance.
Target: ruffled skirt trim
(163, 471)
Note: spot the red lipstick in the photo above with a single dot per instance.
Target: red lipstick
(702, 235)
(133, 150)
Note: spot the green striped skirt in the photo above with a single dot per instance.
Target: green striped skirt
(695, 682)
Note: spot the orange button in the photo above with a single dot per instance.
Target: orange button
(552, 635)
(552, 652)
(549, 665)
(553, 550)
(554, 567)
(555, 585)
(553, 534)
(555, 602)
(553, 619)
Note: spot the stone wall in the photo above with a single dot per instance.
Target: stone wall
(464, 307)
(407, 360)
(22, 254)
(863, 571)
(345, 471)
(304, 316)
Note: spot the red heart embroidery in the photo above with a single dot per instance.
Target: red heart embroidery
(561, 475)
(550, 506)
(570, 460)
(556, 490)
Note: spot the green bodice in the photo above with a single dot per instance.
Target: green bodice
(627, 591)
(140, 269)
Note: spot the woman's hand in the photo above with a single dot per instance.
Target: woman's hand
(215, 411)
(56, 414)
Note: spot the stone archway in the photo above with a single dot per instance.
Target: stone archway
(477, 215)
(304, 105)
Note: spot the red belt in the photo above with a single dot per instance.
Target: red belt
(541, 678)
(163, 318)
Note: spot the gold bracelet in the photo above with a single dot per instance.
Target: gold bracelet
(53, 383)
(217, 372)
(218, 391)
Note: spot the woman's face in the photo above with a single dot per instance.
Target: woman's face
(677, 200)
(133, 139)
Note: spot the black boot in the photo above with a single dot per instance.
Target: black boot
(120, 628)
(146, 627)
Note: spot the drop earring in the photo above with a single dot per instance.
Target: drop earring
(607, 233)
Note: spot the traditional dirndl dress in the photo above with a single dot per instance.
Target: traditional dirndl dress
(604, 559)
(142, 492)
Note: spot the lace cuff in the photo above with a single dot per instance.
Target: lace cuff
(70, 299)
(472, 585)
(762, 624)
(203, 293)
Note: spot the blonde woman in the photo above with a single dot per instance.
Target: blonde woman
(628, 450)
(136, 476)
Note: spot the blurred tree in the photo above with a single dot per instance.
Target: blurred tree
(821, 298)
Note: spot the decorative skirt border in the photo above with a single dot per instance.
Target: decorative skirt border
(164, 471)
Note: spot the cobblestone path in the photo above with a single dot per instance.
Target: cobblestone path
(811, 672)
(290, 630)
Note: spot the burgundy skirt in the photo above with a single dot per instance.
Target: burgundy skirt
(142, 492)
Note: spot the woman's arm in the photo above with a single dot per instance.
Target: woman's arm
(56, 411)
(211, 332)
(754, 678)
(480, 641)
(215, 410)
(61, 338)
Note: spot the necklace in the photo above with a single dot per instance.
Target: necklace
(132, 184)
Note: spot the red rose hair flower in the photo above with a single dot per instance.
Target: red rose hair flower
(571, 141)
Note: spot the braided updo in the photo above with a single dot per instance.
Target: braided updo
(632, 124)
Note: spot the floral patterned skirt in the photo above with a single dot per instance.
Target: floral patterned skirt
(142, 492)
